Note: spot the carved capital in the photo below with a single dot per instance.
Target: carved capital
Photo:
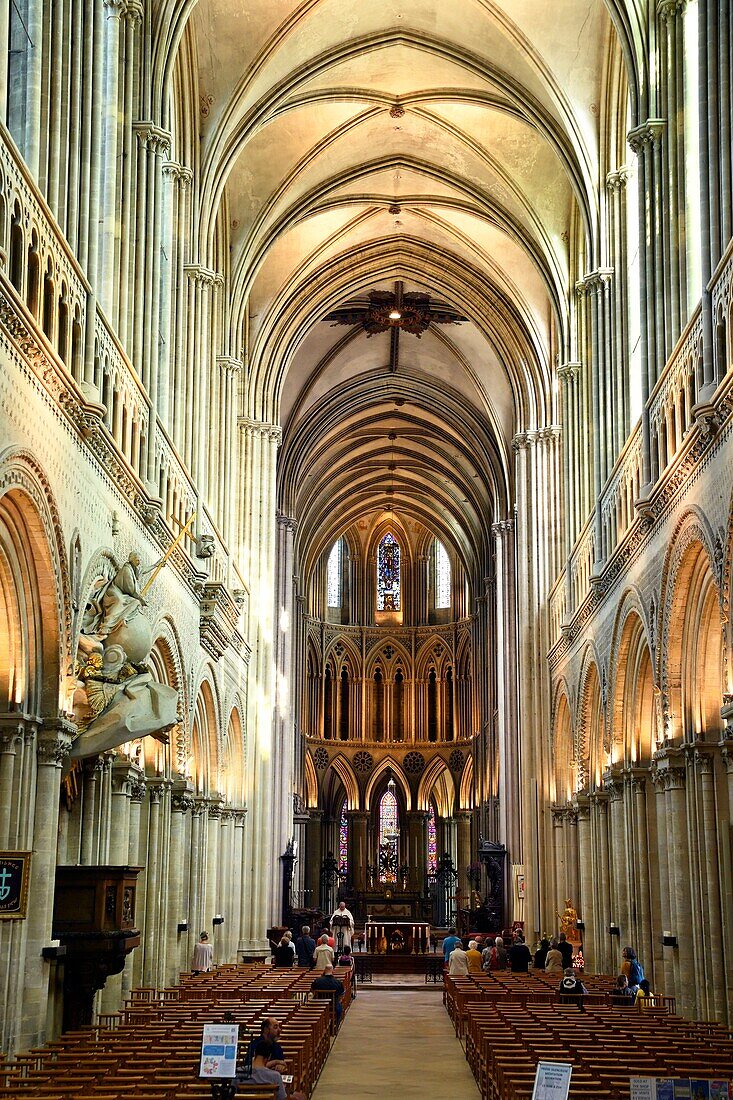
(566, 372)
(617, 181)
(181, 803)
(54, 741)
(202, 276)
(286, 522)
(178, 173)
(12, 731)
(273, 432)
(648, 133)
(132, 11)
(668, 10)
(137, 791)
(125, 776)
(503, 528)
(151, 137)
(229, 364)
(200, 806)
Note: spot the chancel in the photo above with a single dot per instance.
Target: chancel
(366, 539)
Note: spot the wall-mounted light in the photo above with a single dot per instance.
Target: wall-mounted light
(669, 939)
(183, 926)
(218, 919)
(614, 930)
(580, 925)
(55, 950)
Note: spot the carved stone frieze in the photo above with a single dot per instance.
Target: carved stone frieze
(219, 618)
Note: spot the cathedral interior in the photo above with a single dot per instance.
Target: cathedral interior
(366, 477)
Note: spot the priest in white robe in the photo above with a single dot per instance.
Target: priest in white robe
(342, 932)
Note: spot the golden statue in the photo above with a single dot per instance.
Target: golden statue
(567, 919)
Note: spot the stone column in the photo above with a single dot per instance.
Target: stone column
(571, 856)
(314, 856)
(666, 883)
(510, 828)
(558, 845)
(137, 795)
(584, 904)
(602, 893)
(179, 870)
(156, 791)
(91, 769)
(613, 784)
(709, 867)
(239, 883)
(284, 741)
(196, 922)
(358, 850)
(225, 899)
(465, 852)
(417, 847)
(211, 893)
(12, 728)
(640, 832)
(675, 778)
(52, 747)
(124, 776)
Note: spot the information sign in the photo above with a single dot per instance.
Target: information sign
(643, 1088)
(15, 868)
(219, 1050)
(552, 1081)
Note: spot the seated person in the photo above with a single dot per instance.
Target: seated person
(328, 985)
(519, 956)
(270, 1029)
(323, 955)
(571, 989)
(474, 958)
(644, 994)
(622, 994)
(283, 955)
(346, 958)
(263, 1075)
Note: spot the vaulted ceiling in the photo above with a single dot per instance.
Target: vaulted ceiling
(455, 145)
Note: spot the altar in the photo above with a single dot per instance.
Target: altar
(397, 937)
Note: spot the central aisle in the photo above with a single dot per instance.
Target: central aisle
(397, 1041)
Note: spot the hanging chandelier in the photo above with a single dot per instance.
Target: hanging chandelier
(411, 313)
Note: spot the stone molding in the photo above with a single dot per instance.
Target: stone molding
(648, 133)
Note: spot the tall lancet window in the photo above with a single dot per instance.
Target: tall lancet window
(388, 836)
(388, 574)
(442, 576)
(432, 842)
(333, 575)
(343, 840)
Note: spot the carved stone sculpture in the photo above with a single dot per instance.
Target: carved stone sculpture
(117, 699)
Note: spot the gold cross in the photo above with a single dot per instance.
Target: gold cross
(184, 532)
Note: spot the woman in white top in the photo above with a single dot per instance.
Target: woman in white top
(203, 955)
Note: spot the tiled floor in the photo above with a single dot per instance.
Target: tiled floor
(393, 1045)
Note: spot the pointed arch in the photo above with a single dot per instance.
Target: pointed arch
(633, 717)
(311, 782)
(692, 649)
(590, 740)
(466, 789)
(436, 770)
(384, 766)
(341, 767)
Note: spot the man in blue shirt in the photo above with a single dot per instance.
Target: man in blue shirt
(269, 1032)
(450, 942)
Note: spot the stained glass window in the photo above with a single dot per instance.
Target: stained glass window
(442, 576)
(343, 840)
(432, 842)
(388, 574)
(388, 829)
(333, 575)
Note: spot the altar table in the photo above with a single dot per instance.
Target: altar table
(414, 934)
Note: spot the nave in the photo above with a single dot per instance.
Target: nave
(397, 1042)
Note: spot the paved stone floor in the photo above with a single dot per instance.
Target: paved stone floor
(397, 1045)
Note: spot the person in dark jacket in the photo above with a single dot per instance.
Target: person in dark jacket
(520, 956)
(305, 945)
(540, 954)
(566, 950)
(283, 955)
(572, 990)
